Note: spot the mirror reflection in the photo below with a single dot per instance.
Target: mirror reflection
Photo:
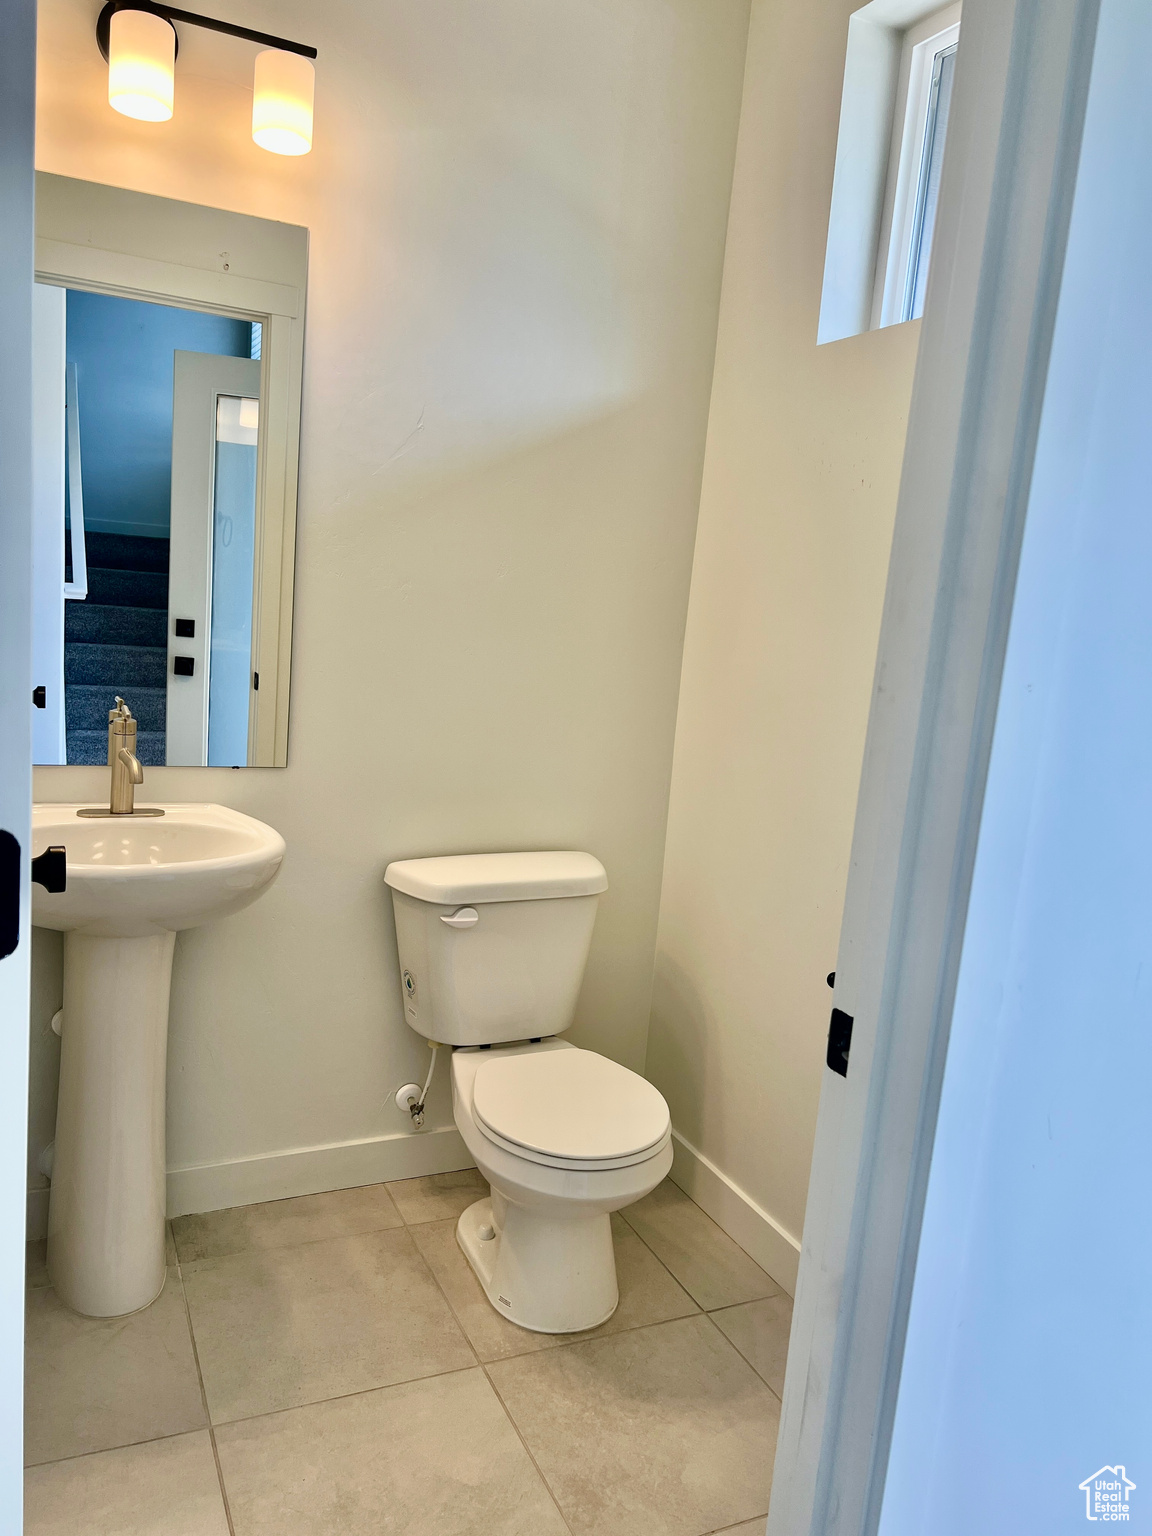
(149, 564)
(164, 504)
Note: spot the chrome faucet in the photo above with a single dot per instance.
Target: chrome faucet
(122, 759)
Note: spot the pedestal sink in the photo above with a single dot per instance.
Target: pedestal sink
(133, 884)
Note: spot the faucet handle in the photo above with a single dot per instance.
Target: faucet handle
(121, 712)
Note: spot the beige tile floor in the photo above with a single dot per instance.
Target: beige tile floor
(329, 1366)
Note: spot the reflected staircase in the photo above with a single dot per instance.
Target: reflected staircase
(116, 642)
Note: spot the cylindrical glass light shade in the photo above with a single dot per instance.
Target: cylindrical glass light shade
(282, 102)
(141, 65)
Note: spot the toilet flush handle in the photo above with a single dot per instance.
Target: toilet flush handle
(466, 917)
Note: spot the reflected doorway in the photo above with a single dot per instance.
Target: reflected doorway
(132, 476)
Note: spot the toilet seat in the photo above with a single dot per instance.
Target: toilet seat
(569, 1109)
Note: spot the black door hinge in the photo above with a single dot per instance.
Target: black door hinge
(40, 696)
(839, 1041)
(9, 894)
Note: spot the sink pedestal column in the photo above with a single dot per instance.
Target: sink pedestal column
(107, 1205)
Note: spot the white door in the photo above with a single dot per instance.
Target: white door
(17, 76)
(1029, 1345)
(211, 577)
(1010, 169)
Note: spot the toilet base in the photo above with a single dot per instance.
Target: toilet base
(544, 1274)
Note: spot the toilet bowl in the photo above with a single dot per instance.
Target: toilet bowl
(492, 949)
(564, 1137)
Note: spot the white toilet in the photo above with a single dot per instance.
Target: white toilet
(492, 950)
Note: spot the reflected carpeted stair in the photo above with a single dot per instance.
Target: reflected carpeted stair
(116, 642)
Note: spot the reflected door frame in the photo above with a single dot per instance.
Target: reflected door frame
(199, 379)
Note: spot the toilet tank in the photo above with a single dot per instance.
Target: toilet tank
(493, 945)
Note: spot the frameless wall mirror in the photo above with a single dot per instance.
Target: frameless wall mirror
(168, 341)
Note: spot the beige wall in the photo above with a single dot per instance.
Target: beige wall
(518, 211)
(799, 493)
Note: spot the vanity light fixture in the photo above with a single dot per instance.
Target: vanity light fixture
(138, 39)
(282, 102)
(141, 65)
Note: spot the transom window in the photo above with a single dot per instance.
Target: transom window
(897, 97)
(928, 65)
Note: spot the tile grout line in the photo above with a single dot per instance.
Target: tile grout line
(331, 1237)
(668, 1179)
(638, 1328)
(779, 1289)
(410, 1381)
(594, 1337)
(731, 1345)
(410, 1228)
(712, 1220)
(643, 1240)
(307, 1242)
(491, 1384)
(429, 1221)
(527, 1448)
(591, 1337)
(406, 1381)
(562, 1343)
(435, 1281)
(339, 1397)
(758, 1374)
(566, 1341)
(204, 1396)
(107, 1450)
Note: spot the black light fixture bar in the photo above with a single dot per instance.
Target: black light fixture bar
(192, 18)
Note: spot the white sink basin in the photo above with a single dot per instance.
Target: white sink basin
(133, 883)
(131, 876)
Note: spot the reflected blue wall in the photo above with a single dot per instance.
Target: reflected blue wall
(123, 350)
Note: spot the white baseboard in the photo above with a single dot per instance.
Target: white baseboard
(734, 1209)
(311, 1170)
(376, 1159)
(298, 1171)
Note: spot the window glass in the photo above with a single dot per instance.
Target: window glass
(928, 183)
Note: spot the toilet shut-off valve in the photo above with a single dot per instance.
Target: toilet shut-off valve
(412, 1098)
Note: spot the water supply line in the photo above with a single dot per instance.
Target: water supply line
(416, 1106)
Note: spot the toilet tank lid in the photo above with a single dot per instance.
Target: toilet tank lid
(477, 877)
